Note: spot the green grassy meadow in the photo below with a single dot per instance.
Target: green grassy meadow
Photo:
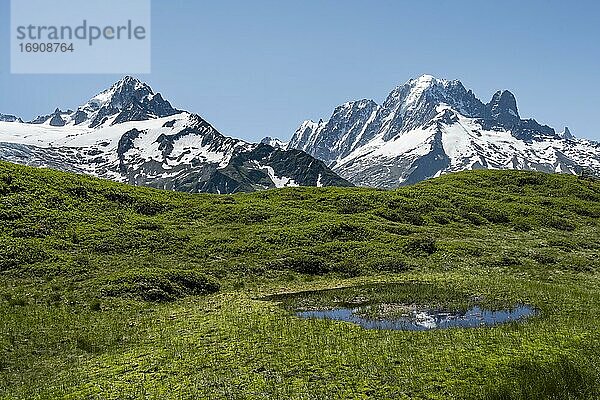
(117, 292)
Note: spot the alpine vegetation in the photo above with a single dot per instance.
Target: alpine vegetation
(473, 285)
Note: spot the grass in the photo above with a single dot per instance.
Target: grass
(114, 292)
(431, 296)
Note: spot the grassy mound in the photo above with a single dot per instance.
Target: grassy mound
(158, 285)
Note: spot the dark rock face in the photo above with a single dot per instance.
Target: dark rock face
(126, 142)
(429, 164)
(530, 129)
(346, 120)
(349, 126)
(56, 120)
(567, 133)
(503, 109)
(503, 113)
(296, 165)
(79, 117)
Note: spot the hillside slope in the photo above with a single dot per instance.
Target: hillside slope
(104, 219)
(116, 291)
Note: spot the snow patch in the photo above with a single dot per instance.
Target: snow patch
(279, 182)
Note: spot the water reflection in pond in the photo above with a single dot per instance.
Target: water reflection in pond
(415, 319)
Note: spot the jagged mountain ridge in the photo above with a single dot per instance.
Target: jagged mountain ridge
(431, 126)
(130, 134)
(9, 118)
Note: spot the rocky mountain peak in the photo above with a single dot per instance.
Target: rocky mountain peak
(566, 134)
(503, 108)
(122, 93)
(422, 85)
(129, 99)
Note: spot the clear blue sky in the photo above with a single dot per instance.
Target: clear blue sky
(257, 68)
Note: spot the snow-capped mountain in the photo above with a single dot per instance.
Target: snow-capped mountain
(431, 126)
(274, 142)
(127, 100)
(130, 134)
(9, 118)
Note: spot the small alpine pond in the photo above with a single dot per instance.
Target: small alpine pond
(409, 307)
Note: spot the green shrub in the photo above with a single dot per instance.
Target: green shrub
(531, 179)
(507, 260)
(561, 224)
(17, 253)
(17, 301)
(9, 185)
(420, 246)
(155, 284)
(149, 207)
(148, 226)
(544, 258)
(10, 214)
(86, 344)
(474, 218)
(494, 215)
(389, 264)
(242, 215)
(348, 268)
(411, 217)
(398, 229)
(96, 305)
(343, 231)
(352, 205)
(442, 218)
(33, 230)
(303, 263)
(521, 224)
(577, 264)
(118, 196)
(79, 191)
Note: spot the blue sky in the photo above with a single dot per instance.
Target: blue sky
(258, 68)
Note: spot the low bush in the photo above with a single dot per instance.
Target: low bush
(343, 231)
(411, 217)
(352, 204)
(420, 246)
(17, 253)
(561, 224)
(158, 284)
(390, 264)
(303, 263)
